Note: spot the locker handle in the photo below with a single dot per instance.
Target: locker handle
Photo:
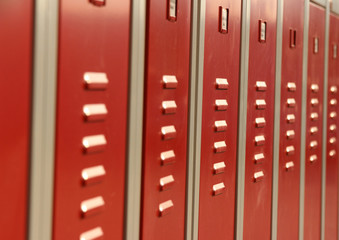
(221, 83)
(218, 189)
(289, 166)
(93, 174)
(168, 132)
(333, 89)
(291, 86)
(258, 176)
(219, 167)
(313, 158)
(95, 80)
(94, 112)
(99, 3)
(332, 153)
(95, 143)
(169, 82)
(167, 157)
(165, 208)
(166, 183)
(169, 107)
(94, 234)
(92, 206)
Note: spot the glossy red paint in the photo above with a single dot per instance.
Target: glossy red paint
(167, 54)
(16, 32)
(312, 203)
(257, 202)
(216, 212)
(331, 204)
(291, 75)
(91, 39)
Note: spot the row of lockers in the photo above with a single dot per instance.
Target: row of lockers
(172, 119)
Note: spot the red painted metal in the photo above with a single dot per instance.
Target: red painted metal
(91, 39)
(167, 53)
(257, 202)
(312, 203)
(216, 213)
(16, 30)
(331, 204)
(291, 73)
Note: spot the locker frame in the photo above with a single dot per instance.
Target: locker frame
(135, 120)
(43, 119)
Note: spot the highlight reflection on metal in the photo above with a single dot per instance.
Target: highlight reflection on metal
(333, 89)
(290, 134)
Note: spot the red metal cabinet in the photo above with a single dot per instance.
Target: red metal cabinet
(91, 120)
(331, 204)
(260, 120)
(16, 19)
(165, 119)
(219, 126)
(314, 123)
(290, 106)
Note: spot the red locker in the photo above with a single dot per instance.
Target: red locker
(331, 202)
(91, 119)
(290, 106)
(16, 30)
(260, 120)
(219, 126)
(314, 123)
(165, 119)
(16, 34)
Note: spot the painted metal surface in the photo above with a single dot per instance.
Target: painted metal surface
(313, 148)
(221, 81)
(260, 104)
(331, 202)
(93, 69)
(289, 149)
(15, 103)
(165, 152)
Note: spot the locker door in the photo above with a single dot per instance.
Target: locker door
(91, 119)
(16, 29)
(331, 204)
(260, 109)
(165, 119)
(290, 106)
(219, 120)
(314, 123)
